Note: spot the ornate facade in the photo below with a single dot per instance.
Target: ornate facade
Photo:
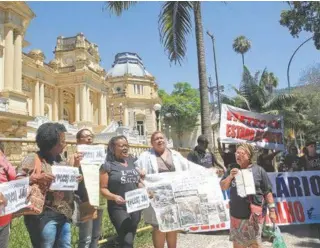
(72, 88)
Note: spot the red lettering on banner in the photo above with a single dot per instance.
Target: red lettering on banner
(289, 211)
(298, 208)
(223, 225)
(194, 228)
(205, 227)
(212, 227)
(238, 132)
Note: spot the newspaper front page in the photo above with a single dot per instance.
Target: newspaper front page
(184, 199)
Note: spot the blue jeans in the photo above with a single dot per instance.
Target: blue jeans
(89, 232)
(49, 230)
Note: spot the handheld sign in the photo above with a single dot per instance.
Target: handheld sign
(136, 200)
(92, 154)
(16, 193)
(66, 178)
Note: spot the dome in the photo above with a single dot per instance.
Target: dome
(128, 63)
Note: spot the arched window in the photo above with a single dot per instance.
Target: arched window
(65, 114)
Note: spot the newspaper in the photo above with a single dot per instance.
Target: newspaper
(184, 199)
(92, 154)
(16, 193)
(91, 175)
(136, 200)
(245, 183)
(65, 178)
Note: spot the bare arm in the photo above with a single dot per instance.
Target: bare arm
(104, 180)
(226, 183)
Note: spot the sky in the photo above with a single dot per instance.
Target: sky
(137, 31)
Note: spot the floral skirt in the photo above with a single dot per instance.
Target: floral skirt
(245, 232)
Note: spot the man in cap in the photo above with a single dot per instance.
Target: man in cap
(200, 155)
(310, 161)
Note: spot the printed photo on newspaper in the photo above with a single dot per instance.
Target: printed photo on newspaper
(92, 154)
(185, 199)
(65, 178)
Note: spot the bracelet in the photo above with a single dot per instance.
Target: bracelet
(271, 205)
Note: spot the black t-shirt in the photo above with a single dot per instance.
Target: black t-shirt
(290, 163)
(203, 158)
(228, 158)
(266, 164)
(309, 163)
(240, 207)
(121, 179)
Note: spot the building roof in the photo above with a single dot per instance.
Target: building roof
(128, 63)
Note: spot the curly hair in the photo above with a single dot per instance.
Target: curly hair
(48, 135)
(111, 146)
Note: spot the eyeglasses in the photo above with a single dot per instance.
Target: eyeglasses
(87, 136)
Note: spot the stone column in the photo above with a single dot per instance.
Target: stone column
(88, 105)
(8, 59)
(126, 116)
(36, 102)
(41, 99)
(104, 113)
(55, 105)
(101, 109)
(17, 83)
(61, 104)
(77, 102)
(83, 107)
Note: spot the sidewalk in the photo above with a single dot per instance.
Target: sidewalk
(295, 236)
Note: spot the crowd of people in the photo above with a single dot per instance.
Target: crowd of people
(49, 226)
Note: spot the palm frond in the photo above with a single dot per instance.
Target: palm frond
(117, 7)
(242, 98)
(279, 101)
(174, 26)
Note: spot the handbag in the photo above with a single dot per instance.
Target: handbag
(256, 212)
(83, 211)
(37, 194)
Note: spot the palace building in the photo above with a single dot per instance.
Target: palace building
(72, 88)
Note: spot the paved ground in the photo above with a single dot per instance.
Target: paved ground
(307, 236)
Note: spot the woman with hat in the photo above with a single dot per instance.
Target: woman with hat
(246, 213)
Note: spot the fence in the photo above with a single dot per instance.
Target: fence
(17, 149)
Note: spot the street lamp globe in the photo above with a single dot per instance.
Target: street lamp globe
(157, 107)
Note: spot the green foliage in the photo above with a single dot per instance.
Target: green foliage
(19, 236)
(241, 45)
(303, 16)
(181, 108)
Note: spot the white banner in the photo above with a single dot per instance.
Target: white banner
(137, 200)
(296, 195)
(92, 154)
(91, 174)
(184, 199)
(66, 178)
(16, 193)
(262, 130)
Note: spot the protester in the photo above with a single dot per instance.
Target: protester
(247, 213)
(118, 176)
(52, 227)
(7, 173)
(161, 159)
(265, 160)
(290, 161)
(200, 155)
(310, 161)
(89, 231)
(228, 157)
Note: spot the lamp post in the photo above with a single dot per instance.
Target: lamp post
(215, 70)
(157, 108)
(289, 64)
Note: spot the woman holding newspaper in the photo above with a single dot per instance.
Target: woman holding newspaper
(246, 211)
(161, 159)
(118, 176)
(48, 218)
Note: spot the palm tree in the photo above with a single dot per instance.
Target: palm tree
(254, 96)
(269, 81)
(241, 45)
(174, 25)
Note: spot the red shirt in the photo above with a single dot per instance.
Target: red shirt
(7, 173)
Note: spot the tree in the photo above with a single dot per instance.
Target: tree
(269, 81)
(181, 108)
(174, 25)
(311, 76)
(253, 96)
(303, 16)
(241, 45)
